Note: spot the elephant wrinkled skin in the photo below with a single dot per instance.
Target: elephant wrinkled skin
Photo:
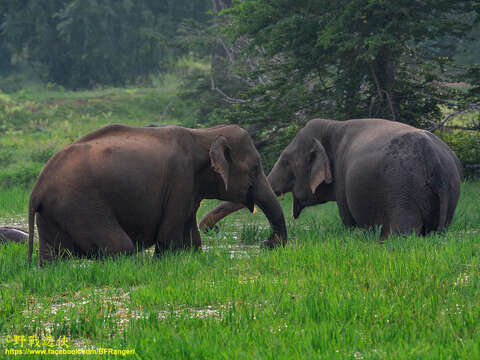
(378, 171)
(123, 188)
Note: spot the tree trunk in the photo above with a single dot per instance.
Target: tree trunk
(383, 104)
(219, 53)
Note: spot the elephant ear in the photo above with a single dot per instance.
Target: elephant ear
(320, 166)
(220, 158)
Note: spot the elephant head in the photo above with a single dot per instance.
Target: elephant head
(238, 177)
(303, 168)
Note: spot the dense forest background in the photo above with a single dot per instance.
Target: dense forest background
(268, 65)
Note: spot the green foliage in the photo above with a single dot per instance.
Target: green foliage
(466, 145)
(7, 155)
(80, 44)
(19, 175)
(5, 59)
(468, 48)
(296, 60)
(473, 76)
(367, 49)
(43, 154)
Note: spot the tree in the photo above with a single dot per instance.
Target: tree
(81, 43)
(469, 48)
(342, 59)
(5, 55)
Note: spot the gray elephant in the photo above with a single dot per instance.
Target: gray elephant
(124, 188)
(8, 233)
(379, 172)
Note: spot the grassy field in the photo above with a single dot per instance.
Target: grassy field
(332, 293)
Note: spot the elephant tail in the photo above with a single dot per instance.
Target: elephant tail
(32, 209)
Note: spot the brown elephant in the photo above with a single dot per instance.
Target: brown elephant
(8, 233)
(123, 188)
(378, 171)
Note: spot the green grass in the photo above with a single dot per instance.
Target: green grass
(37, 122)
(332, 293)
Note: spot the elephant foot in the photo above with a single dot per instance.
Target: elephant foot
(197, 249)
(273, 242)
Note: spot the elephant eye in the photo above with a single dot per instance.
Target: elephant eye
(252, 175)
(255, 169)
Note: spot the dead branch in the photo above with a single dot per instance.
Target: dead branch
(227, 98)
(469, 109)
(270, 136)
(458, 127)
(165, 110)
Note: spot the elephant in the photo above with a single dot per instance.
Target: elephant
(121, 189)
(8, 233)
(379, 172)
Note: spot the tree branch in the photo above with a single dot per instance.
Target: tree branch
(469, 109)
(377, 83)
(380, 93)
(458, 127)
(259, 145)
(227, 98)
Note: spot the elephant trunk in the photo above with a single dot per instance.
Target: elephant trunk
(277, 180)
(265, 198)
(224, 209)
(297, 208)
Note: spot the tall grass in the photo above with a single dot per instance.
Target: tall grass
(13, 201)
(331, 293)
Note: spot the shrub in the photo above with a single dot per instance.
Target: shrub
(466, 145)
(20, 175)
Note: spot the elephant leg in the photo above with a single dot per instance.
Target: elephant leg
(345, 214)
(101, 236)
(195, 240)
(172, 233)
(402, 221)
(177, 228)
(386, 231)
(49, 242)
(192, 234)
(347, 217)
